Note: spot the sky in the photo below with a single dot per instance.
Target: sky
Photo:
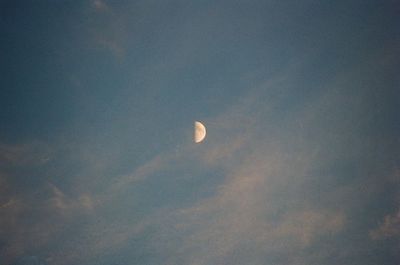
(300, 165)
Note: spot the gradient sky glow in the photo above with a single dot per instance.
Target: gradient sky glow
(301, 163)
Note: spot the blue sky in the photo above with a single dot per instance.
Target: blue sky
(301, 160)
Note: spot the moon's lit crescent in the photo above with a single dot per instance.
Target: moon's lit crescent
(199, 132)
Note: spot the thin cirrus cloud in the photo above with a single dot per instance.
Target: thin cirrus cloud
(107, 30)
(389, 227)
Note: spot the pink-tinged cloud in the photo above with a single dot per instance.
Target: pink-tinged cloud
(108, 30)
(100, 5)
(390, 227)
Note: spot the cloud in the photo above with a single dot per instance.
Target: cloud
(34, 153)
(100, 5)
(390, 227)
(65, 204)
(247, 213)
(108, 29)
(305, 226)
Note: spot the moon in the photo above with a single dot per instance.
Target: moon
(199, 132)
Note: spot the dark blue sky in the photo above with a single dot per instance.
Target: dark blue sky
(301, 160)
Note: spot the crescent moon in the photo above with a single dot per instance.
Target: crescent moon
(199, 132)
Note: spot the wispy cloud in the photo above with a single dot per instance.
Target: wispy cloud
(108, 29)
(100, 5)
(390, 227)
(24, 154)
(66, 204)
